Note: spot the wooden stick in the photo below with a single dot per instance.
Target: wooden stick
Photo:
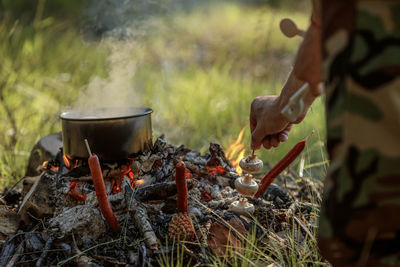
(46, 249)
(88, 147)
(161, 191)
(139, 215)
(18, 252)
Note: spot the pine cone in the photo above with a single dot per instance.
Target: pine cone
(181, 228)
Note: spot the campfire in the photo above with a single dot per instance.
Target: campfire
(58, 218)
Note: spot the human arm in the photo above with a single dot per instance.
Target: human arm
(268, 126)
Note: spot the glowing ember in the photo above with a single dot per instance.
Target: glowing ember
(236, 151)
(74, 194)
(188, 175)
(138, 183)
(206, 196)
(216, 170)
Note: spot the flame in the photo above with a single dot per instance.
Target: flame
(236, 151)
(69, 162)
(47, 165)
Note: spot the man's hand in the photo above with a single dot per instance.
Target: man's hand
(268, 126)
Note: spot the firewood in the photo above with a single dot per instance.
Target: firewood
(161, 191)
(18, 252)
(81, 220)
(81, 259)
(139, 216)
(38, 201)
(8, 250)
(46, 249)
(9, 222)
(28, 183)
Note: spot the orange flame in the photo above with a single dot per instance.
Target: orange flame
(236, 151)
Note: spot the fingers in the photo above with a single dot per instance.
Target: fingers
(284, 135)
(274, 140)
(267, 142)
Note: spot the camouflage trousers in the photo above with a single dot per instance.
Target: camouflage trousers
(360, 215)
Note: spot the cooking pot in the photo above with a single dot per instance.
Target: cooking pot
(113, 133)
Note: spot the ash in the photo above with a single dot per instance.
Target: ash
(54, 218)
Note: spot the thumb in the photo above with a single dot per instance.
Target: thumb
(256, 138)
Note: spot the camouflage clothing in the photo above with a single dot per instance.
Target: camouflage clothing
(360, 216)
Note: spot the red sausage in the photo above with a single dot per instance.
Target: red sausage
(181, 187)
(101, 193)
(279, 167)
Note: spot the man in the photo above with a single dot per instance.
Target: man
(359, 43)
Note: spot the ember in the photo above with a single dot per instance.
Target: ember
(217, 170)
(74, 194)
(60, 210)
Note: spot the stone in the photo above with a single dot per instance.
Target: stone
(45, 149)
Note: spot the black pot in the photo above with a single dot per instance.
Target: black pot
(113, 133)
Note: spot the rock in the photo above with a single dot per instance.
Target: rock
(45, 149)
(81, 220)
(9, 222)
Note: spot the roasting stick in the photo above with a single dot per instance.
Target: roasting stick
(100, 189)
(281, 165)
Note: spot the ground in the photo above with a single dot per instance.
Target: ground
(199, 69)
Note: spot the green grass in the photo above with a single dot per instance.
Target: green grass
(198, 70)
(43, 67)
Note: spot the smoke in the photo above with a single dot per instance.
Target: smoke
(117, 89)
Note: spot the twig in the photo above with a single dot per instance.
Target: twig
(46, 249)
(161, 191)
(86, 250)
(12, 262)
(88, 147)
(141, 220)
(305, 229)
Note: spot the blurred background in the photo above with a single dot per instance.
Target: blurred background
(198, 64)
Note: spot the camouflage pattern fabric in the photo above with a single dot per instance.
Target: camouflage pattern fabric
(360, 215)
